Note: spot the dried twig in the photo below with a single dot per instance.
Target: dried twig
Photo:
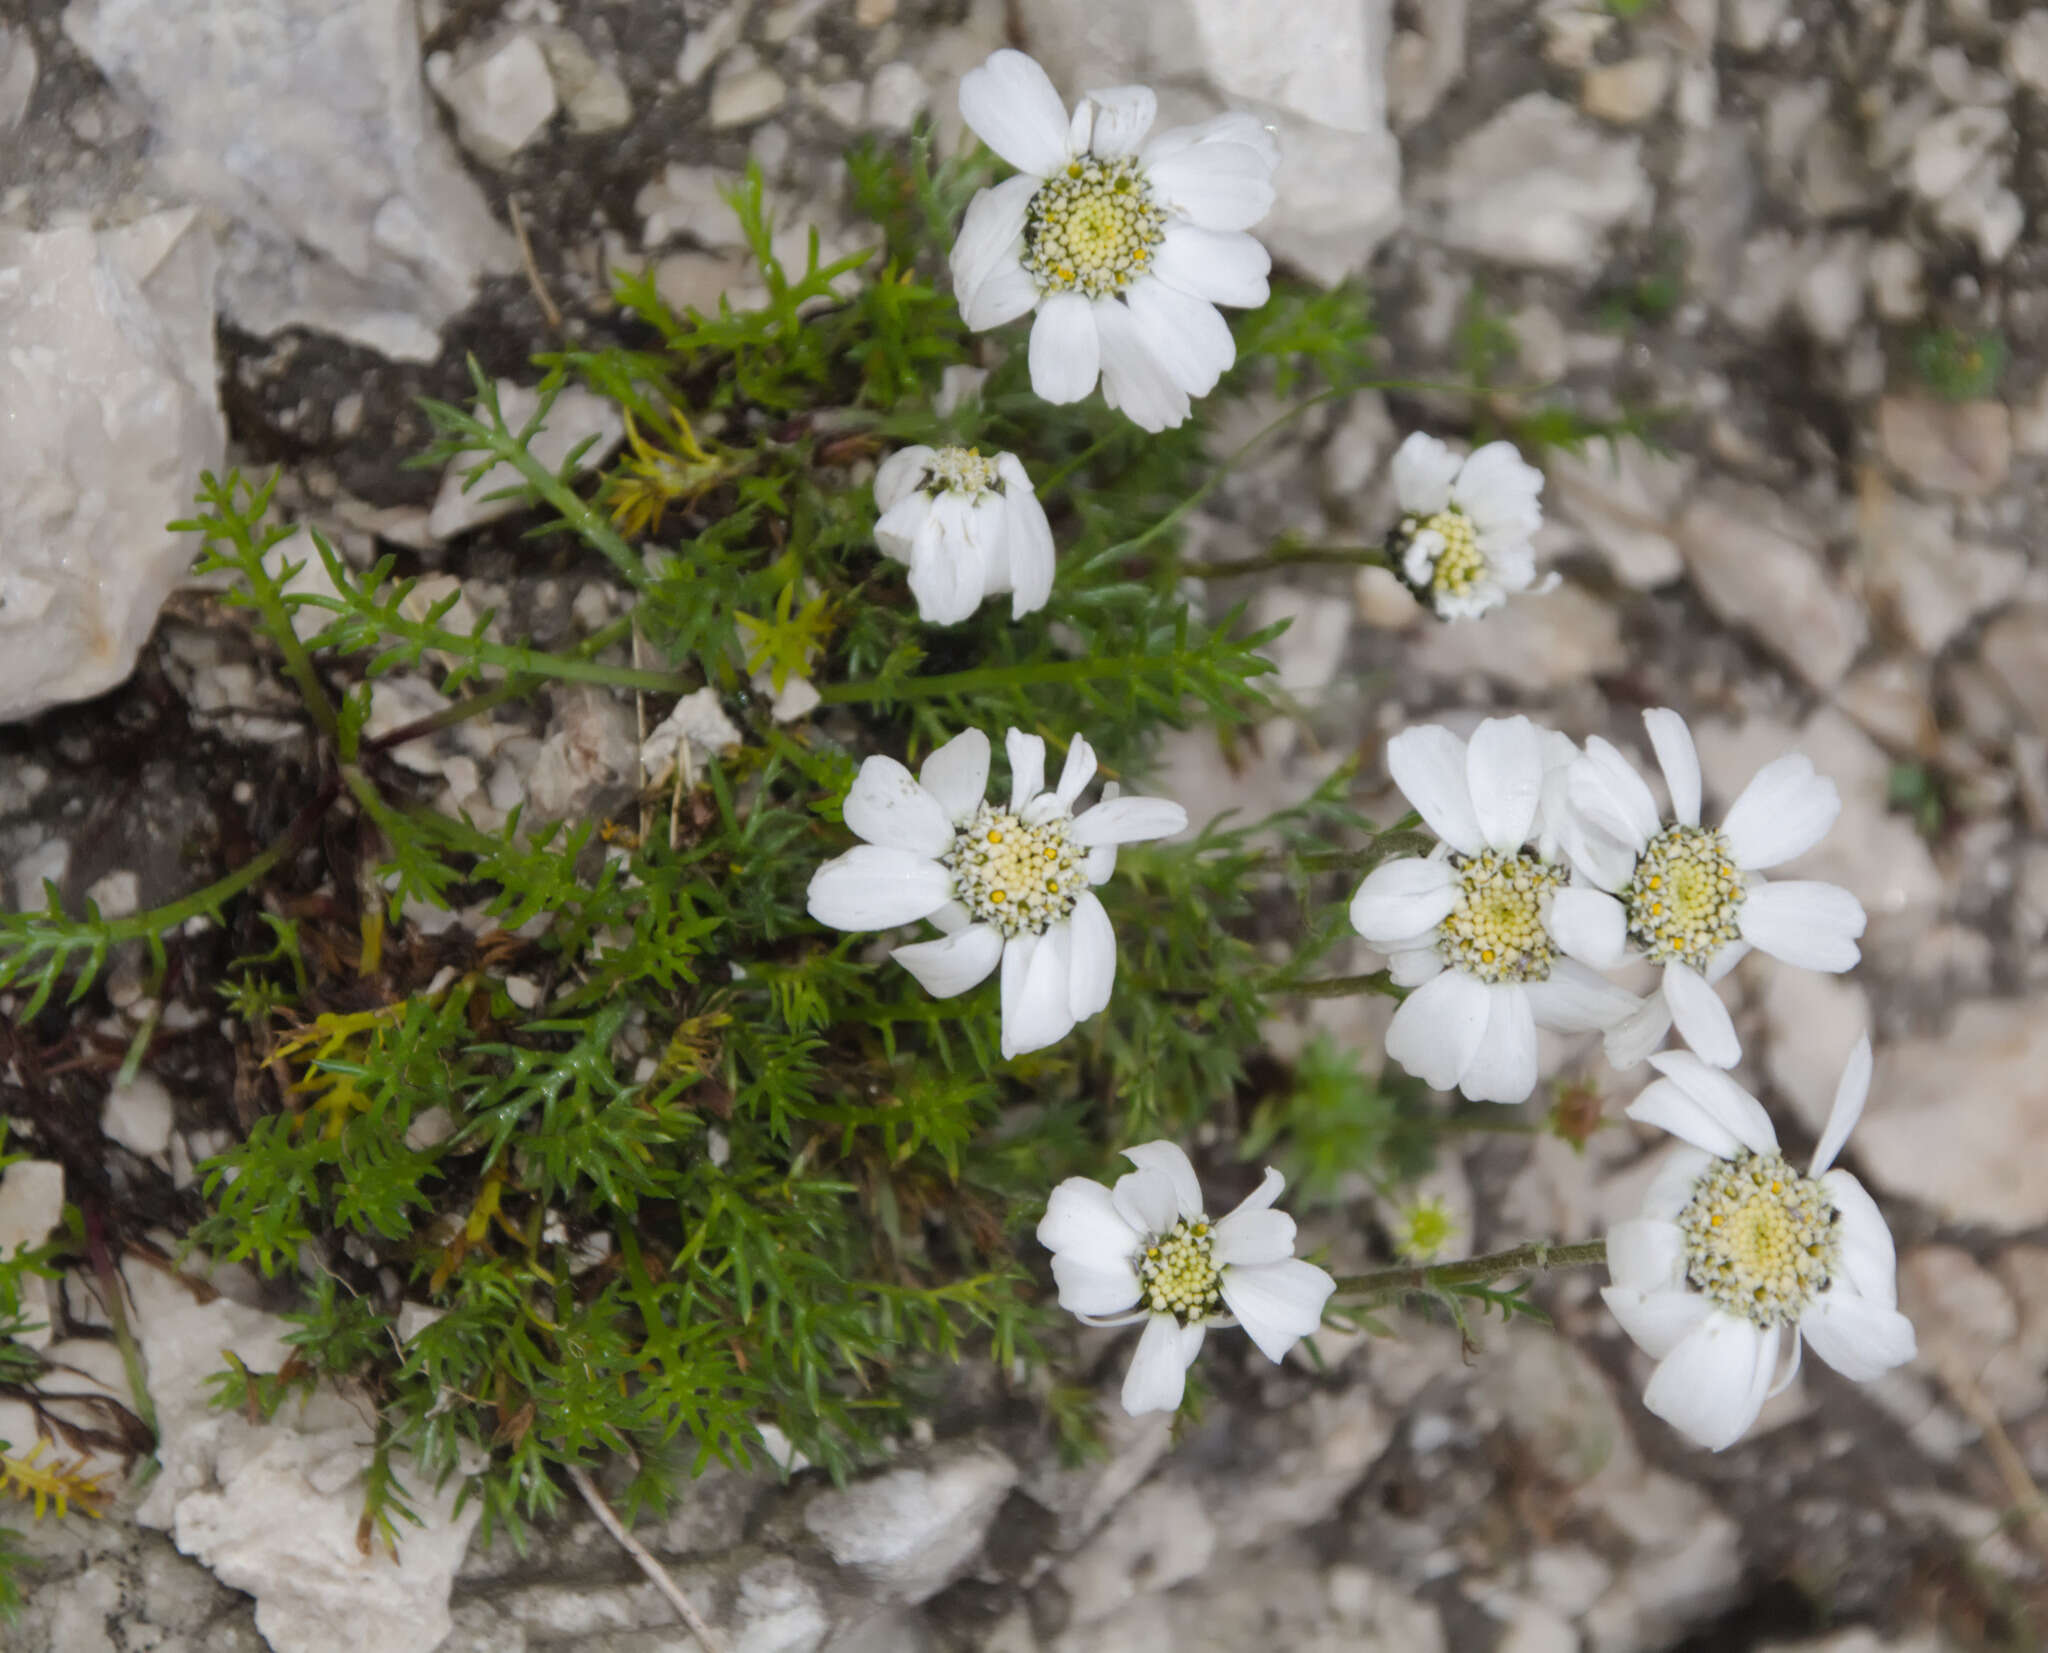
(2029, 1506)
(657, 1575)
(548, 307)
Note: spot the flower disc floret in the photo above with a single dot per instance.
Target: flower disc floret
(1441, 554)
(1496, 930)
(962, 471)
(1178, 1272)
(1760, 1240)
(1021, 879)
(1686, 894)
(1092, 228)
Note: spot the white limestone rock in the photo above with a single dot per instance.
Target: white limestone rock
(306, 125)
(500, 92)
(1537, 187)
(591, 747)
(17, 75)
(577, 416)
(107, 395)
(910, 1531)
(1623, 496)
(698, 724)
(138, 1115)
(31, 1203)
(272, 1508)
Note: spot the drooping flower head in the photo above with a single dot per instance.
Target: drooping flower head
(968, 526)
(1735, 1250)
(1123, 246)
(1009, 886)
(1690, 897)
(1147, 1251)
(1468, 927)
(1463, 541)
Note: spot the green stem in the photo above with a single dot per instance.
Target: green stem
(1306, 556)
(1340, 987)
(978, 681)
(1387, 1285)
(526, 662)
(268, 593)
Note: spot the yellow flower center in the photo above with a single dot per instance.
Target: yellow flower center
(1684, 897)
(1178, 1273)
(1092, 228)
(1760, 1240)
(960, 471)
(1496, 932)
(1022, 879)
(1460, 565)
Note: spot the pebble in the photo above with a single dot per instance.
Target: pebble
(17, 75)
(31, 1203)
(1535, 644)
(744, 97)
(1919, 575)
(896, 97)
(2015, 651)
(117, 895)
(501, 98)
(704, 47)
(909, 1532)
(138, 1115)
(1626, 93)
(2026, 51)
(1946, 447)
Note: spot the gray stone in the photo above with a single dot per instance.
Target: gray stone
(745, 95)
(1946, 447)
(107, 393)
(1993, 1061)
(1536, 187)
(1758, 567)
(1536, 643)
(909, 1532)
(2015, 651)
(17, 75)
(1623, 497)
(592, 747)
(138, 1115)
(1919, 575)
(306, 125)
(500, 92)
(1626, 93)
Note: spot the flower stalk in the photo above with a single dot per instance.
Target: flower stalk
(1381, 1286)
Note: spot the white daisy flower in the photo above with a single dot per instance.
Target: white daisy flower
(1009, 886)
(1735, 1251)
(1147, 1251)
(1468, 927)
(1463, 541)
(1124, 247)
(967, 526)
(1688, 896)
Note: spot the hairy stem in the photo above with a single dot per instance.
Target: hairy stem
(1388, 1285)
(1341, 987)
(1300, 556)
(980, 680)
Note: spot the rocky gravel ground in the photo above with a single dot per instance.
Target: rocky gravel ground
(1808, 230)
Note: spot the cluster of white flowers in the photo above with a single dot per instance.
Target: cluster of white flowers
(1554, 862)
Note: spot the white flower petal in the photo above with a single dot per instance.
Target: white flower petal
(1590, 925)
(1577, 1000)
(1503, 1067)
(1408, 897)
(1255, 1233)
(951, 919)
(1148, 1200)
(1278, 1304)
(992, 234)
(886, 806)
(1605, 788)
(871, 888)
(1499, 490)
(1645, 1254)
(1412, 966)
(1702, 1019)
(900, 475)
(1066, 349)
(1504, 775)
(1012, 106)
(1167, 1160)
(1027, 767)
(1076, 772)
(1159, 1370)
(949, 560)
(1234, 126)
(1217, 185)
(1031, 555)
(1641, 1031)
(1036, 997)
(1671, 740)
(1870, 1261)
(954, 963)
(1094, 958)
(1711, 1386)
(1728, 1107)
(898, 529)
(1128, 821)
(1135, 381)
(957, 774)
(1851, 1090)
(1809, 924)
(1784, 811)
(1676, 1180)
(1438, 1027)
(1862, 1340)
(1187, 334)
(1220, 266)
(1424, 469)
(1007, 293)
(1658, 1321)
(1123, 115)
(1095, 1288)
(1081, 1219)
(1427, 762)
